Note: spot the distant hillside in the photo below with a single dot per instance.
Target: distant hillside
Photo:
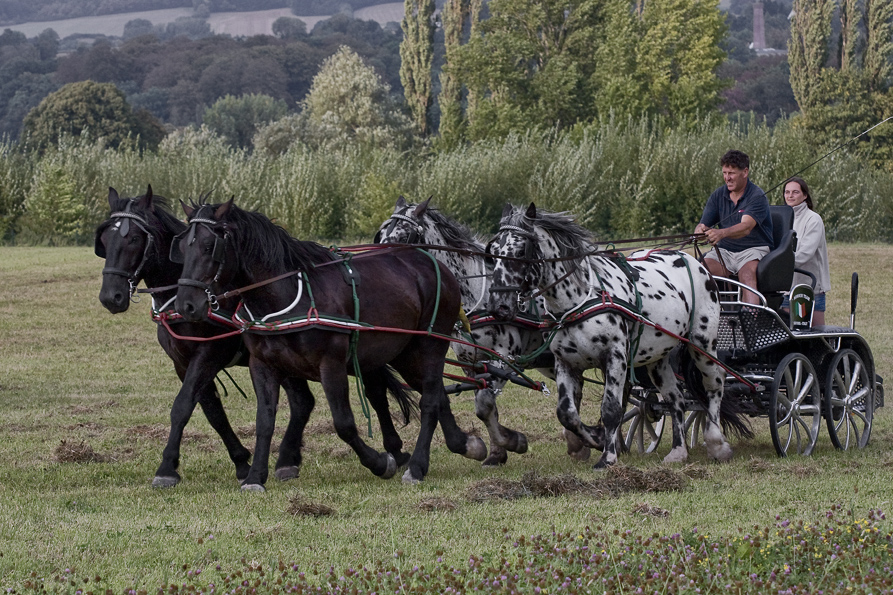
(13, 12)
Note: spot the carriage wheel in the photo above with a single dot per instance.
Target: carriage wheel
(795, 407)
(646, 426)
(849, 401)
(695, 422)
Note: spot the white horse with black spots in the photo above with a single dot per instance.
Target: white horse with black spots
(512, 339)
(613, 312)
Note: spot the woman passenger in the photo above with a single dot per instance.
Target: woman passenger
(812, 249)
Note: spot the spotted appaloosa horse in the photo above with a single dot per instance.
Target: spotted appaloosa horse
(552, 254)
(413, 223)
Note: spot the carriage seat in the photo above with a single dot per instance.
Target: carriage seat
(775, 272)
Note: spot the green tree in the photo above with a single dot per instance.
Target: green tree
(98, 110)
(349, 103)
(237, 119)
(453, 18)
(416, 55)
(841, 99)
(289, 28)
(530, 65)
(54, 213)
(660, 59)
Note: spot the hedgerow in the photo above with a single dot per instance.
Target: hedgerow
(620, 178)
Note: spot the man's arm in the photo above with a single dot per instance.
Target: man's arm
(739, 230)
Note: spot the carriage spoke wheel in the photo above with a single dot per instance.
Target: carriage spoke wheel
(695, 423)
(795, 408)
(646, 426)
(849, 401)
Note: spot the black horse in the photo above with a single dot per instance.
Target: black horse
(135, 241)
(378, 309)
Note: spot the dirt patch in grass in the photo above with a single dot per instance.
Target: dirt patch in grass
(616, 481)
(644, 509)
(246, 431)
(159, 432)
(697, 471)
(324, 426)
(755, 465)
(77, 452)
(84, 409)
(298, 506)
(436, 504)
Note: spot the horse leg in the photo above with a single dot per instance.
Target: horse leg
(612, 403)
(195, 378)
(300, 402)
(266, 387)
(376, 387)
(501, 438)
(579, 436)
(337, 388)
(665, 381)
(712, 378)
(209, 400)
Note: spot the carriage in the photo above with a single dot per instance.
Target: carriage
(795, 374)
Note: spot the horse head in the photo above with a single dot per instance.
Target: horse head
(126, 242)
(517, 268)
(406, 225)
(208, 258)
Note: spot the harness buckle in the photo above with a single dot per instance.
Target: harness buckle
(134, 296)
(212, 300)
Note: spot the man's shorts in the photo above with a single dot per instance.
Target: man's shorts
(733, 261)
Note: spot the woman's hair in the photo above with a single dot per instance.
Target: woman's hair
(803, 188)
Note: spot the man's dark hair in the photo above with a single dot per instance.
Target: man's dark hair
(735, 159)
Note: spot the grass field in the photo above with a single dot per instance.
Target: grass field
(80, 384)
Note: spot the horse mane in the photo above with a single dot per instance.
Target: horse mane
(261, 238)
(572, 238)
(455, 234)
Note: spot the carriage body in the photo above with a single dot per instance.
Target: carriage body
(797, 377)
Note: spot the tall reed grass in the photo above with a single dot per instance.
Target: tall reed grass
(620, 178)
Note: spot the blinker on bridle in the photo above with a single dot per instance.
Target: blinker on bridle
(414, 236)
(133, 279)
(218, 255)
(523, 301)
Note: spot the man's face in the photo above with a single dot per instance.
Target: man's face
(735, 179)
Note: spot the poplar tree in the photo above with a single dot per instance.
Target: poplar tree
(416, 57)
(808, 48)
(453, 19)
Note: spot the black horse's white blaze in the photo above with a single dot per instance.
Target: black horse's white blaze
(550, 253)
(413, 223)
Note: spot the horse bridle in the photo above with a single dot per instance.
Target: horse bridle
(133, 279)
(529, 259)
(414, 237)
(218, 255)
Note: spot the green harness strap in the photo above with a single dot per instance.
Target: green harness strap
(437, 297)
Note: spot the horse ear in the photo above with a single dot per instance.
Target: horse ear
(531, 212)
(187, 209)
(421, 208)
(223, 209)
(146, 200)
(507, 210)
(401, 202)
(113, 198)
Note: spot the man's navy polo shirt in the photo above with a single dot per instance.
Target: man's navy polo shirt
(721, 210)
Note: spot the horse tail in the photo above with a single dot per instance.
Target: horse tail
(401, 395)
(731, 411)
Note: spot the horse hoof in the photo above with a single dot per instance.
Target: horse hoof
(494, 461)
(409, 479)
(475, 449)
(521, 447)
(286, 473)
(581, 455)
(253, 487)
(722, 453)
(603, 462)
(391, 468)
(402, 459)
(678, 455)
(164, 482)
